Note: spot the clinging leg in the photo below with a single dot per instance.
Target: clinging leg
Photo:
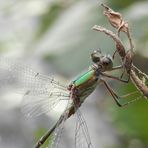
(117, 98)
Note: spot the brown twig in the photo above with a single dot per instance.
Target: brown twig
(133, 71)
(119, 45)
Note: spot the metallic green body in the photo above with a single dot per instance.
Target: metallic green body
(86, 84)
(84, 78)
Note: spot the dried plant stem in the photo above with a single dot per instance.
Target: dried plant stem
(132, 70)
(141, 86)
(119, 44)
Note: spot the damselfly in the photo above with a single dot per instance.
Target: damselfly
(43, 93)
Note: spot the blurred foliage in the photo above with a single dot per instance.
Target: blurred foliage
(138, 59)
(120, 5)
(48, 18)
(131, 121)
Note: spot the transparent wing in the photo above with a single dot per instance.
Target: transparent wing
(82, 138)
(35, 105)
(42, 93)
(60, 126)
(58, 133)
(14, 72)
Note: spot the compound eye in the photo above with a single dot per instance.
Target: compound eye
(95, 56)
(106, 62)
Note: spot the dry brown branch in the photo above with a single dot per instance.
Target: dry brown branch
(139, 79)
(119, 45)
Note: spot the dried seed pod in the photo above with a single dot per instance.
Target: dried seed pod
(117, 21)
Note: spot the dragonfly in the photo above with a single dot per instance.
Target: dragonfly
(43, 93)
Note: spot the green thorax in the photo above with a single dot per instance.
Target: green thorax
(84, 77)
(86, 83)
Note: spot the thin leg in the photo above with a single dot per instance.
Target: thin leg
(112, 93)
(127, 62)
(120, 67)
(130, 40)
(123, 74)
(129, 94)
(117, 67)
(115, 78)
(116, 97)
(114, 54)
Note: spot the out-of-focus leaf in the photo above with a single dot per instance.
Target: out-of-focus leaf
(119, 4)
(138, 59)
(132, 120)
(70, 39)
(47, 19)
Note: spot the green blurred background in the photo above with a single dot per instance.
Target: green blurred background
(55, 37)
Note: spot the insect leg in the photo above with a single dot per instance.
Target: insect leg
(117, 98)
(115, 78)
(117, 67)
(114, 54)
